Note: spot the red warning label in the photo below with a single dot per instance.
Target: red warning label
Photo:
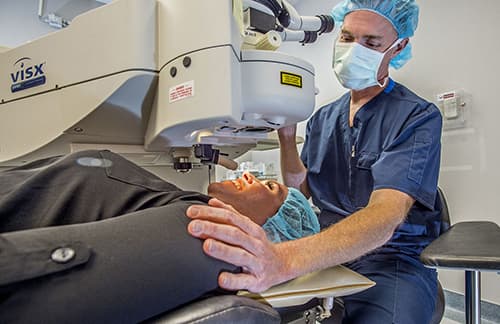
(181, 91)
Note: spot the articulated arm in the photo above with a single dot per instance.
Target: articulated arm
(281, 16)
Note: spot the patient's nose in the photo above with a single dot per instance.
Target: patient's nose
(248, 177)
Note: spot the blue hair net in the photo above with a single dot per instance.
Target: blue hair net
(294, 219)
(402, 14)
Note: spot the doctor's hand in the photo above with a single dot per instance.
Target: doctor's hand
(234, 238)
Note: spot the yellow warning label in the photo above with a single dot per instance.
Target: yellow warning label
(291, 79)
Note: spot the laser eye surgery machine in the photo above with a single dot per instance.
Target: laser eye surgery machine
(181, 82)
(177, 83)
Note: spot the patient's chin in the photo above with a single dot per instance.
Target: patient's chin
(219, 193)
(215, 190)
(211, 188)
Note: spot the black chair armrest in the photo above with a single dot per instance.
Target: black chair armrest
(466, 245)
(221, 309)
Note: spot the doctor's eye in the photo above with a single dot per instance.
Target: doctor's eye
(346, 38)
(270, 185)
(373, 45)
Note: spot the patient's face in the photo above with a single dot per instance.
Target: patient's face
(256, 199)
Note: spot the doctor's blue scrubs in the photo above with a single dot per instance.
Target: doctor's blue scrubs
(394, 143)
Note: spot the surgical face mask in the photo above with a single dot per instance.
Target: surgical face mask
(356, 66)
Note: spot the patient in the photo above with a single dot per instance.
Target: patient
(91, 237)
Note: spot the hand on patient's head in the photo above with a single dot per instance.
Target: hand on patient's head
(236, 239)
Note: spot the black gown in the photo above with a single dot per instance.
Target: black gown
(93, 238)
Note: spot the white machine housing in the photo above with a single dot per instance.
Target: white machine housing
(147, 77)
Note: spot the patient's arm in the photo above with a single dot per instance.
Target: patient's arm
(125, 269)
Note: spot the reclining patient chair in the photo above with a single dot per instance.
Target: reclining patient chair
(276, 304)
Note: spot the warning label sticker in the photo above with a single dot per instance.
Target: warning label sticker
(181, 91)
(291, 79)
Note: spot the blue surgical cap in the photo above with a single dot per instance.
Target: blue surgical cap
(294, 219)
(402, 14)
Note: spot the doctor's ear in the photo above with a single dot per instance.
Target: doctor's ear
(401, 46)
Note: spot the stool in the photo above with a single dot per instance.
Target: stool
(469, 246)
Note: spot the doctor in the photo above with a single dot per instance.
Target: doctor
(370, 162)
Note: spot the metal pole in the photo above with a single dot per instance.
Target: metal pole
(41, 5)
(473, 297)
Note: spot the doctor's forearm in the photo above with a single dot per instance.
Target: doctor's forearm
(351, 238)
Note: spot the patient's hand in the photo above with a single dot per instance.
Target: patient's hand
(234, 238)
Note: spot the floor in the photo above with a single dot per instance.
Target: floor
(449, 321)
(454, 311)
